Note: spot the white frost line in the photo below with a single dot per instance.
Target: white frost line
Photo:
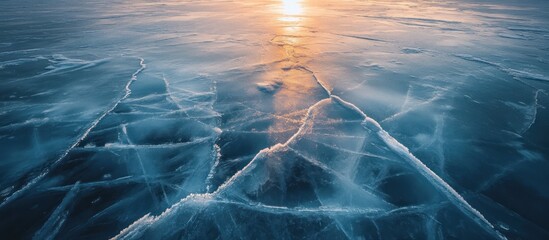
(216, 154)
(371, 212)
(412, 108)
(345, 179)
(348, 151)
(320, 82)
(534, 111)
(171, 98)
(303, 126)
(503, 172)
(264, 116)
(114, 146)
(114, 182)
(263, 132)
(515, 74)
(408, 96)
(56, 220)
(211, 174)
(44, 172)
(137, 228)
(67, 69)
(272, 149)
(431, 176)
(141, 165)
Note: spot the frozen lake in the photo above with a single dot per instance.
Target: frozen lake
(274, 119)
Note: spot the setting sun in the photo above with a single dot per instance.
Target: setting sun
(292, 7)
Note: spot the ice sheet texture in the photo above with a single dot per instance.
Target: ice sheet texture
(274, 119)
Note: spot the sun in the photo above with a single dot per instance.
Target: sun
(291, 7)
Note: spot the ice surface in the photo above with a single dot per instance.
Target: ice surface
(274, 119)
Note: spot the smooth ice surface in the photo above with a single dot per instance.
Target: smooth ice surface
(274, 119)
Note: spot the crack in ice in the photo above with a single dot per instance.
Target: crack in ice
(44, 172)
(136, 228)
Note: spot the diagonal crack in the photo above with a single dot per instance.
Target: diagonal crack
(82, 136)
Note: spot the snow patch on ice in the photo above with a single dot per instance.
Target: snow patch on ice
(269, 86)
(410, 50)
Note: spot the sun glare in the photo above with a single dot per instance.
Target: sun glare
(292, 7)
(291, 10)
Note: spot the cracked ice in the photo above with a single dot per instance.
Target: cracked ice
(274, 119)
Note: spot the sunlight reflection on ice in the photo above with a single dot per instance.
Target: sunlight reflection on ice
(290, 10)
(292, 7)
